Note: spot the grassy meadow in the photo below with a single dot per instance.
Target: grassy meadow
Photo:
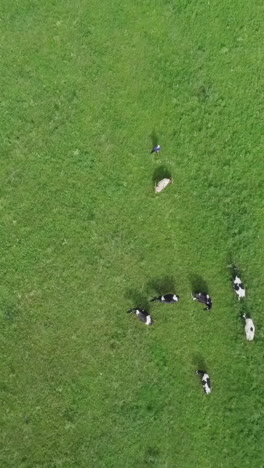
(86, 87)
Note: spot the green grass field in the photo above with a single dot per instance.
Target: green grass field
(85, 86)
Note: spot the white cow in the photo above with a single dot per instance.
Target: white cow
(162, 184)
(249, 328)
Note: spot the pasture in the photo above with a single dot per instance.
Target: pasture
(86, 87)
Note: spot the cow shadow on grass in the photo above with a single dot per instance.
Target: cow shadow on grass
(198, 284)
(203, 93)
(243, 310)
(161, 172)
(137, 298)
(198, 362)
(232, 267)
(162, 285)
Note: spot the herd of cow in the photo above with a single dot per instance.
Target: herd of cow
(201, 297)
(206, 300)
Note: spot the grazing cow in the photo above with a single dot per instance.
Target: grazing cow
(162, 184)
(204, 299)
(205, 381)
(155, 149)
(239, 287)
(249, 328)
(167, 299)
(142, 315)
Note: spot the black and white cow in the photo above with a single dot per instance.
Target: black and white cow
(249, 328)
(142, 314)
(203, 298)
(239, 287)
(166, 298)
(205, 381)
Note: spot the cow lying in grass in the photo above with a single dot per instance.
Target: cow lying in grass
(249, 328)
(142, 314)
(205, 381)
(203, 298)
(162, 184)
(166, 299)
(239, 287)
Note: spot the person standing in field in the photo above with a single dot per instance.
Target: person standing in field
(155, 149)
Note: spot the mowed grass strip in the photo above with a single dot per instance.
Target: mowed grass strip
(84, 237)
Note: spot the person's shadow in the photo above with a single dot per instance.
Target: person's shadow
(154, 138)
